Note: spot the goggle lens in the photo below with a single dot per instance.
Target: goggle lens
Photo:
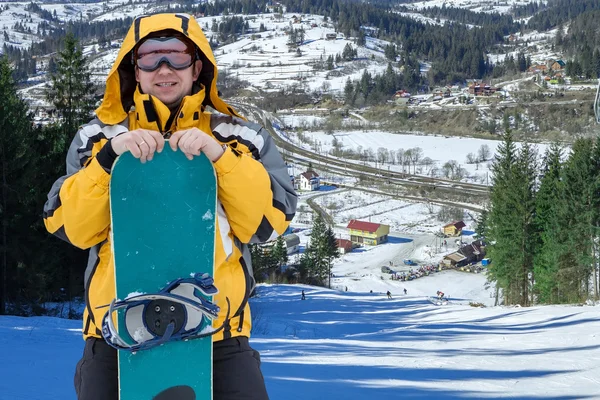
(153, 52)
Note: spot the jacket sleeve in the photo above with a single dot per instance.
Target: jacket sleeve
(77, 209)
(254, 186)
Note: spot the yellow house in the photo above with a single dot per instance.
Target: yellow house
(368, 232)
(453, 228)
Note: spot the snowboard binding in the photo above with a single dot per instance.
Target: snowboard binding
(180, 311)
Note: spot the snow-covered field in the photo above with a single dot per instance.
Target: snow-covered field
(402, 216)
(472, 5)
(439, 149)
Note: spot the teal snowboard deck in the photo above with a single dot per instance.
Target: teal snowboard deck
(163, 228)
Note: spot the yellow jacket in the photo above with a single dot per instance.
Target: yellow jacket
(256, 200)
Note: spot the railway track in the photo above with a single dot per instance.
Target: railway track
(396, 183)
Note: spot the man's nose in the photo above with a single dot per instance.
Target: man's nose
(164, 67)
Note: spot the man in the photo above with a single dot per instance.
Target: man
(164, 77)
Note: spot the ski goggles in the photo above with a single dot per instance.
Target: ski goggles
(153, 52)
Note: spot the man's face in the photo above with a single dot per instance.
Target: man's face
(165, 68)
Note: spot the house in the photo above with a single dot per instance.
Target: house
(290, 170)
(536, 68)
(401, 97)
(454, 259)
(368, 232)
(331, 36)
(292, 242)
(442, 92)
(468, 254)
(453, 228)
(482, 89)
(344, 245)
(308, 181)
(557, 65)
(401, 93)
(370, 31)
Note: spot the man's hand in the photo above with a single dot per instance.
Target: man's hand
(141, 143)
(193, 142)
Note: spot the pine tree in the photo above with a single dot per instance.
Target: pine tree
(71, 90)
(550, 217)
(260, 262)
(329, 65)
(349, 92)
(580, 177)
(480, 230)
(511, 229)
(15, 152)
(313, 263)
(279, 253)
(331, 250)
(500, 228)
(526, 181)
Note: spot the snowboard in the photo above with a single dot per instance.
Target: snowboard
(163, 228)
(437, 301)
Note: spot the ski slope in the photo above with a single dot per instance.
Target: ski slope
(359, 345)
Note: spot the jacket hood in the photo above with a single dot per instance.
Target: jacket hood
(121, 83)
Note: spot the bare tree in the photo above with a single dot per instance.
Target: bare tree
(484, 152)
(407, 159)
(471, 158)
(416, 156)
(359, 151)
(427, 163)
(400, 157)
(382, 155)
(370, 154)
(449, 169)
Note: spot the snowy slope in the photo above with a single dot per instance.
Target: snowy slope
(357, 345)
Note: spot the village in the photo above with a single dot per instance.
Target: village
(549, 77)
(456, 247)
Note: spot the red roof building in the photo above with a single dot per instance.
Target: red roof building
(357, 225)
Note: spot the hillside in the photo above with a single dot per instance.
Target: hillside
(260, 65)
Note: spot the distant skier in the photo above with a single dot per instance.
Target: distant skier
(303, 296)
(389, 294)
(440, 294)
(405, 291)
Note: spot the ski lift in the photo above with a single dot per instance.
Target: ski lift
(597, 103)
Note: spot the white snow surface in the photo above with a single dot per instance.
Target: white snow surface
(357, 345)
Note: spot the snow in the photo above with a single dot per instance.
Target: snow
(440, 149)
(270, 64)
(502, 7)
(351, 342)
(360, 345)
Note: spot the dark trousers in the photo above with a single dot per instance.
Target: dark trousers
(236, 371)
